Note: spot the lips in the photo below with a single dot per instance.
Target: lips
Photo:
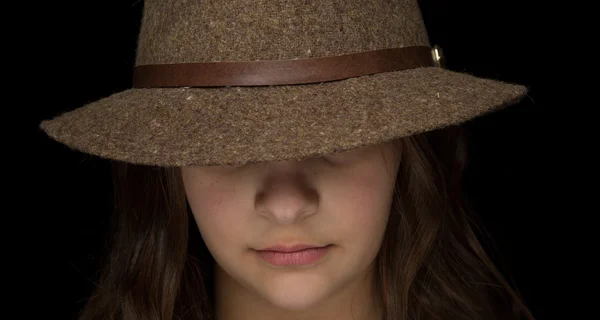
(283, 248)
(293, 255)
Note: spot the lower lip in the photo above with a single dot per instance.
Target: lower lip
(301, 257)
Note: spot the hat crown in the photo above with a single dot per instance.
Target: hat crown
(182, 31)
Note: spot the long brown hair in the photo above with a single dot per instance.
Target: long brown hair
(431, 264)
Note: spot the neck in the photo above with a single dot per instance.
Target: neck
(235, 302)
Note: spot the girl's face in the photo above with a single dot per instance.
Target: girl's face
(341, 201)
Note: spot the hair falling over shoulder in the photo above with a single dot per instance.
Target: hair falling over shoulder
(431, 264)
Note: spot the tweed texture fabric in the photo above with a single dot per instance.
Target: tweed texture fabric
(201, 126)
(181, 31)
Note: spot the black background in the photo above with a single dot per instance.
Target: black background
(514, 177)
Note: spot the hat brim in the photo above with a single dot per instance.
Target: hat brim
(237, 125)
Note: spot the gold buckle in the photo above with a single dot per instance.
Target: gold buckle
(438, 56)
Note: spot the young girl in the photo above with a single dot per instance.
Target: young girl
(291, 160)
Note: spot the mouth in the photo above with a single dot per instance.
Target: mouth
(292, 248)
(293, 255)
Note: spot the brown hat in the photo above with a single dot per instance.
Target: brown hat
(232, 82)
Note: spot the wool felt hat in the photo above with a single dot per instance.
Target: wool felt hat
(241, 81)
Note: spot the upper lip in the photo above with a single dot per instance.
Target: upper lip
(290, 248)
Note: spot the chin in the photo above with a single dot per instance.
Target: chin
(296, 292)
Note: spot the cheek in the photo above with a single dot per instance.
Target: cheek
(218, 214)
(365, 212)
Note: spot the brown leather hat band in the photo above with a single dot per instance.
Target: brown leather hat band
(281, 72)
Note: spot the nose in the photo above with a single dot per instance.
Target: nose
(286, 195)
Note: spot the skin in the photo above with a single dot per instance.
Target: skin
(342, 200)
